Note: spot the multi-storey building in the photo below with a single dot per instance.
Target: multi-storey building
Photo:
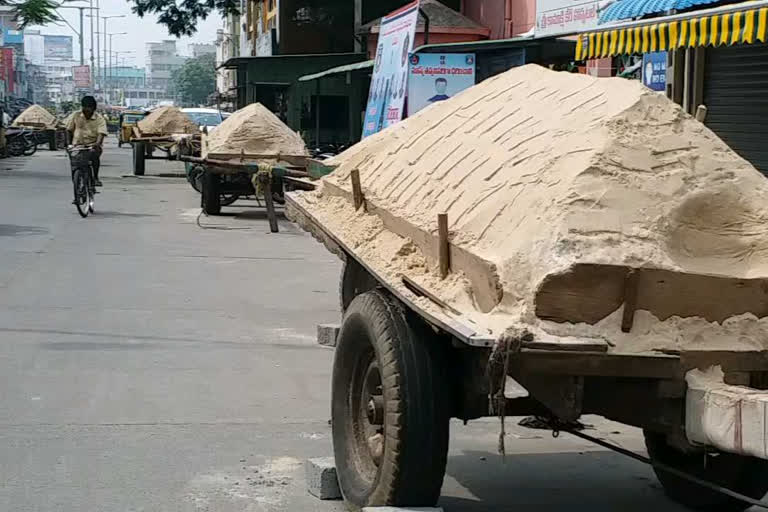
(162, 59)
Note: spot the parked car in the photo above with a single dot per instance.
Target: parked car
(206, 118)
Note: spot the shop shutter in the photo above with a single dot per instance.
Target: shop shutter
(736, 96)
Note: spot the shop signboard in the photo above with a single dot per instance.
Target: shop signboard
(654, 70)
(82, 76)
(555, 17)
(434, 77)
(386, 97)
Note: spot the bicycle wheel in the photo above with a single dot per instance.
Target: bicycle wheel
(82, 194)
(30, 147)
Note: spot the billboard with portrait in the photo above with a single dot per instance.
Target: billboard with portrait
(434, 77)
(386, 97)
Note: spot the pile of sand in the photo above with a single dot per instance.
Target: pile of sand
(555, 186)
(166, 121)
(254, 130)
(35, 116)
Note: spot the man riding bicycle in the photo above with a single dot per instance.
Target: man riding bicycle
(86, 127)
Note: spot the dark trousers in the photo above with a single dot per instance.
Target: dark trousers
(96, 162)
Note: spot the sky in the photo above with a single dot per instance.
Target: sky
(139, 31)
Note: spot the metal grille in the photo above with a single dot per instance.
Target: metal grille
(736, 96)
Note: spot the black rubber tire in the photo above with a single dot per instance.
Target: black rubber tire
(745, 475)
(15, 147)
(52, 146)
(211, 198)
(354, 281)
(139, 162)
(416, 410)
(31, 148)
(79, 180)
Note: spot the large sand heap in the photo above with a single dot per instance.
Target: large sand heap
(556, 186)
(257, 131)
(167, 121)
(37, 116)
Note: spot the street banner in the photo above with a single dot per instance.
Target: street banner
(434, 77)
(82, 76)
(386, 97)
(655, 70)
(555, 17)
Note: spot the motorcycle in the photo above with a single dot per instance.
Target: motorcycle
(20, 142)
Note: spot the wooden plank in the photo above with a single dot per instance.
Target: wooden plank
(300, 183)
(729, 360)
(576, 346)
(357, 190)
(443, 245)
(482, 274)
(630, 300)
(300, 160)
(597, 364)
(441, 321)
(588, 293)
(266, 186)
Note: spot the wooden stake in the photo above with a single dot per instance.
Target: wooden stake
(701, 113)
(443, 246)
(357, 191)
(266, 186)
(630, 300)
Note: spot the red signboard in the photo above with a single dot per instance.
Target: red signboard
(6, 69)
(82, 76)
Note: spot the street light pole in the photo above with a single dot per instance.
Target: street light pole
(80, 33)
(80, 37)
(93, 81)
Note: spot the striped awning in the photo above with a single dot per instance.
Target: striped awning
(728, 28)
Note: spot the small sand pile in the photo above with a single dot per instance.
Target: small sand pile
(257, 131)
(557, 186)
(167, 121)
(35, 116)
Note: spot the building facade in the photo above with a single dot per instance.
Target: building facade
(199, 49)
(162, 59)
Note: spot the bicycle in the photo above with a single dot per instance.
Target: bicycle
(82, 178)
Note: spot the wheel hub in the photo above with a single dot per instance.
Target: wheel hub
(375, 410)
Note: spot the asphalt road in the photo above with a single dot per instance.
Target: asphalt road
(151, 364)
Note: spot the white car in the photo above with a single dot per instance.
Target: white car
(205, 118)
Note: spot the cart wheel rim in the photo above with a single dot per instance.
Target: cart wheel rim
(367, 421)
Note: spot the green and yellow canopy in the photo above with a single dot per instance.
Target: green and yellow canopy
(728, 28)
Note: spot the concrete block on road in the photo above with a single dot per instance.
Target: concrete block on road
(321, 478)
(402, 509)
(327, 334)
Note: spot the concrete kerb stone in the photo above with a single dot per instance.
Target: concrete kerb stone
(327, 334)
(321, 478)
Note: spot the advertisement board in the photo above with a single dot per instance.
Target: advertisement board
(654, 70)
(434, 77)
(82, 76)
(554, 17)
(386, 97)
(57, 47)
(6, 69)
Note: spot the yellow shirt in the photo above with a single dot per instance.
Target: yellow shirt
(86, 130)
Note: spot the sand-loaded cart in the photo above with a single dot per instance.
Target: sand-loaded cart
(548, 244)
(252, 153)
(164, 134)
(44, 125)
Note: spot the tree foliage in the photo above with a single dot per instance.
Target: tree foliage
(33, 12)
(195, 80)
(179, 16)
